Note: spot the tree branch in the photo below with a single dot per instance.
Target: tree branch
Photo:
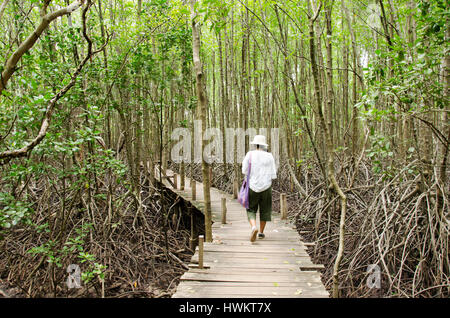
(2, 8)
(10, 66)
(8, 155)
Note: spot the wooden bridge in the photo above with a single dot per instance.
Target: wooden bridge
(233, 267)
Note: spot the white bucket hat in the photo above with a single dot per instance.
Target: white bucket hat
(259, 140)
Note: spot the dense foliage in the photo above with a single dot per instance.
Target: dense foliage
(359, 90)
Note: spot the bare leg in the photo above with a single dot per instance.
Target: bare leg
(254, 230)
(262, 225)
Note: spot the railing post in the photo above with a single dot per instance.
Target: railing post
(281, 203)
(200, 251)
(182, 176)
(194, 190)
(283, 206)
(224, 210)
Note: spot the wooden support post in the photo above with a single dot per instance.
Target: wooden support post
(182, 177)
(175, 181)
(201, 239)
(224, 210)
(194, 190)
(283, 206)
(281, 203)
(235, 189)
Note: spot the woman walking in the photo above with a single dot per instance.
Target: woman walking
(262, 172)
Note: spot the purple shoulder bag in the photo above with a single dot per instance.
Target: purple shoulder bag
(243, 195)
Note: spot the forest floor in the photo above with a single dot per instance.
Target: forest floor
(145, 259)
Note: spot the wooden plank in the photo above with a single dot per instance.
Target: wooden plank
(289, 249)
(205, 295)
(215, 274)
(230, 277)
(256, 260)
(245, 270)
(260, 250)
(244, 236)
(241, 257)
(246, 230)
(252, 291)
(304, 264)
(245, 227)
(248, 284)
(256, 290)
(252, 266)
(257, 243)
(253, 255)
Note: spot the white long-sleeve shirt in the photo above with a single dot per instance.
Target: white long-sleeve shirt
(263, 169)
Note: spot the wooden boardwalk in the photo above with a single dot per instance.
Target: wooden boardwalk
(234, 267)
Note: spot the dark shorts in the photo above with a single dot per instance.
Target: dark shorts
(263, 200)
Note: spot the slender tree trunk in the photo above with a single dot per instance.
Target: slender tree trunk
(329, 72)
(224, 106)
(330, 153)
(201, 96)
